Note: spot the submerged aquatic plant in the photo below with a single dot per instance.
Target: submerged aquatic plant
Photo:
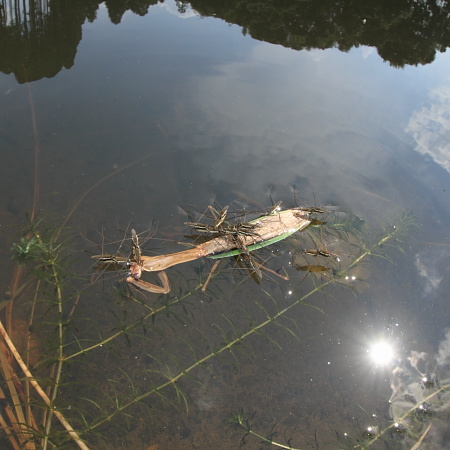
(410, 420)
(90, 379)
(242, 423)
(24, 425)
(26, 250)
(419, 404)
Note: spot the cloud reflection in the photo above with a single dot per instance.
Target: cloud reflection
(443, 356)
(313, 127)
(429, 271)
(420, 396)
(431, 264)
(430, 127)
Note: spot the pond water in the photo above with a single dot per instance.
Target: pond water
(149, 106)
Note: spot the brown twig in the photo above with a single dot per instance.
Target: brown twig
(39, 390)
(13, 384)
(13, 430)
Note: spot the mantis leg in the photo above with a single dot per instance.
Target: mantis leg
(149, 287)
(214, 268)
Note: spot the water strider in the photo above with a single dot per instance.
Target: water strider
(260, 232)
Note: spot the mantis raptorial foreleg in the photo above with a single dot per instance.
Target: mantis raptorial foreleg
(150, 287)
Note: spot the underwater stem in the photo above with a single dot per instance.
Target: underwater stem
(244, 424)
(255, 329)
(39, 390)
(57, 377)
(153, 312)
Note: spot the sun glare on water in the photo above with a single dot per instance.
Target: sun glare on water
(381, 353)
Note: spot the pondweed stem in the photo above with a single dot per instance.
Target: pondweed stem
(255, 329)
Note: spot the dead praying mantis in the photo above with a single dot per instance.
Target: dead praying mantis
(236, 230)
(273, 227)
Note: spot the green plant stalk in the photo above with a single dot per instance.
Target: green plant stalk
(264, 439)
(125, 330)
(18, 272)
(407, 413)
(29, 412)
(45, 254)
(59, 366)
(131, 327)
(253, 330)
(74, 435)
(230, 253)
(422, 437)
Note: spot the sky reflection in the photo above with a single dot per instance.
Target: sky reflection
(430, 126)
(323, 115)
(212, 114)
(420, 395)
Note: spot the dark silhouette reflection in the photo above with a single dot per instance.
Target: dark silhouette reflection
(117, 8)
(39, 37)
(403, 31)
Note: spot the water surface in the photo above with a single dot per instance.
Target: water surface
(230, 105)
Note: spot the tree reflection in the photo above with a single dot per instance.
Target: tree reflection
(39, 37)
(117, 8)
(404, 32)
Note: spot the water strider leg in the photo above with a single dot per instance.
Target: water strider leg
(283, 277)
